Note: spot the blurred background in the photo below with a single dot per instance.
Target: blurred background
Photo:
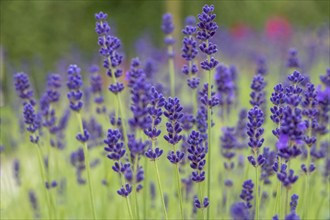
(37, 35)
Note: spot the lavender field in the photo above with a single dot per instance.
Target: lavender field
(212, 123)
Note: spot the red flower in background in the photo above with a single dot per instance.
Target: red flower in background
(278, 29)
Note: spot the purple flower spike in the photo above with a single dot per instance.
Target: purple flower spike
(254, 129)
(125, 191)
(262, 68)
(74, 84)
(34, 203)
(258, 94)
(189, 48)
(239, 211)
(196, 155)
(31, 121)
(167, 25)
(109, 46)
(175, 157)
(293, 61)
(203, 94)
(292, 216)
(157, 101)
(325, 79)
(83, 137)
(228, 143)
(206, 30)
(207, 26)
(154, 154)
(22, 86)
(287, 178)
(294, 202)
(173, 112)
(139, 96)
(189, 52)
(199, 205)
(226, 87)
(115, 146)
(247, 193)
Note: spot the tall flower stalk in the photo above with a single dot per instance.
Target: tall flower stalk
(32, 125)
(206, 30)
(116, 151)
(173, 112)
(255, 132)
(75, 94)
(139, 88)
(109, 46)
(155, 112)
(196, 154)
(168, 28)
(310, 111)
(189, 53)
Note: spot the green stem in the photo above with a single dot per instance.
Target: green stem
(146, 186)
(306, 204)
(195, 102)
(200, 192)
(43, 177)
(160, 190)
(286, 204)
(179, 190)
(171, 70)
(280, 205)
(276, 197)
(135, 192)
(87, 165)
(319, 208)
(129, 208)
(257, 193)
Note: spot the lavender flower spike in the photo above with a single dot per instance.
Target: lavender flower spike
(31, 121)
(74, 85)
(189, 52)
(168, 27)
(22, 86)
(247, 193)
(206, 30)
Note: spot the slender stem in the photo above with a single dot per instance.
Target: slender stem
(135, 192)
(128, 203)
(146, 186)
(43, 177)
(200, 192)
(319, 208)
(171, 70)
(179, 190)
(209, 136)
(280, 205)
(87, 165)
(306, 192)
(257, 193)
(129, 208)
(195, 102)
(276, 197)
(286, 204)
(160, 190)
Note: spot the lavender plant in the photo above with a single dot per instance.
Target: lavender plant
(218, 180)
(74, 84)
(206, 30)
(168, 28)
